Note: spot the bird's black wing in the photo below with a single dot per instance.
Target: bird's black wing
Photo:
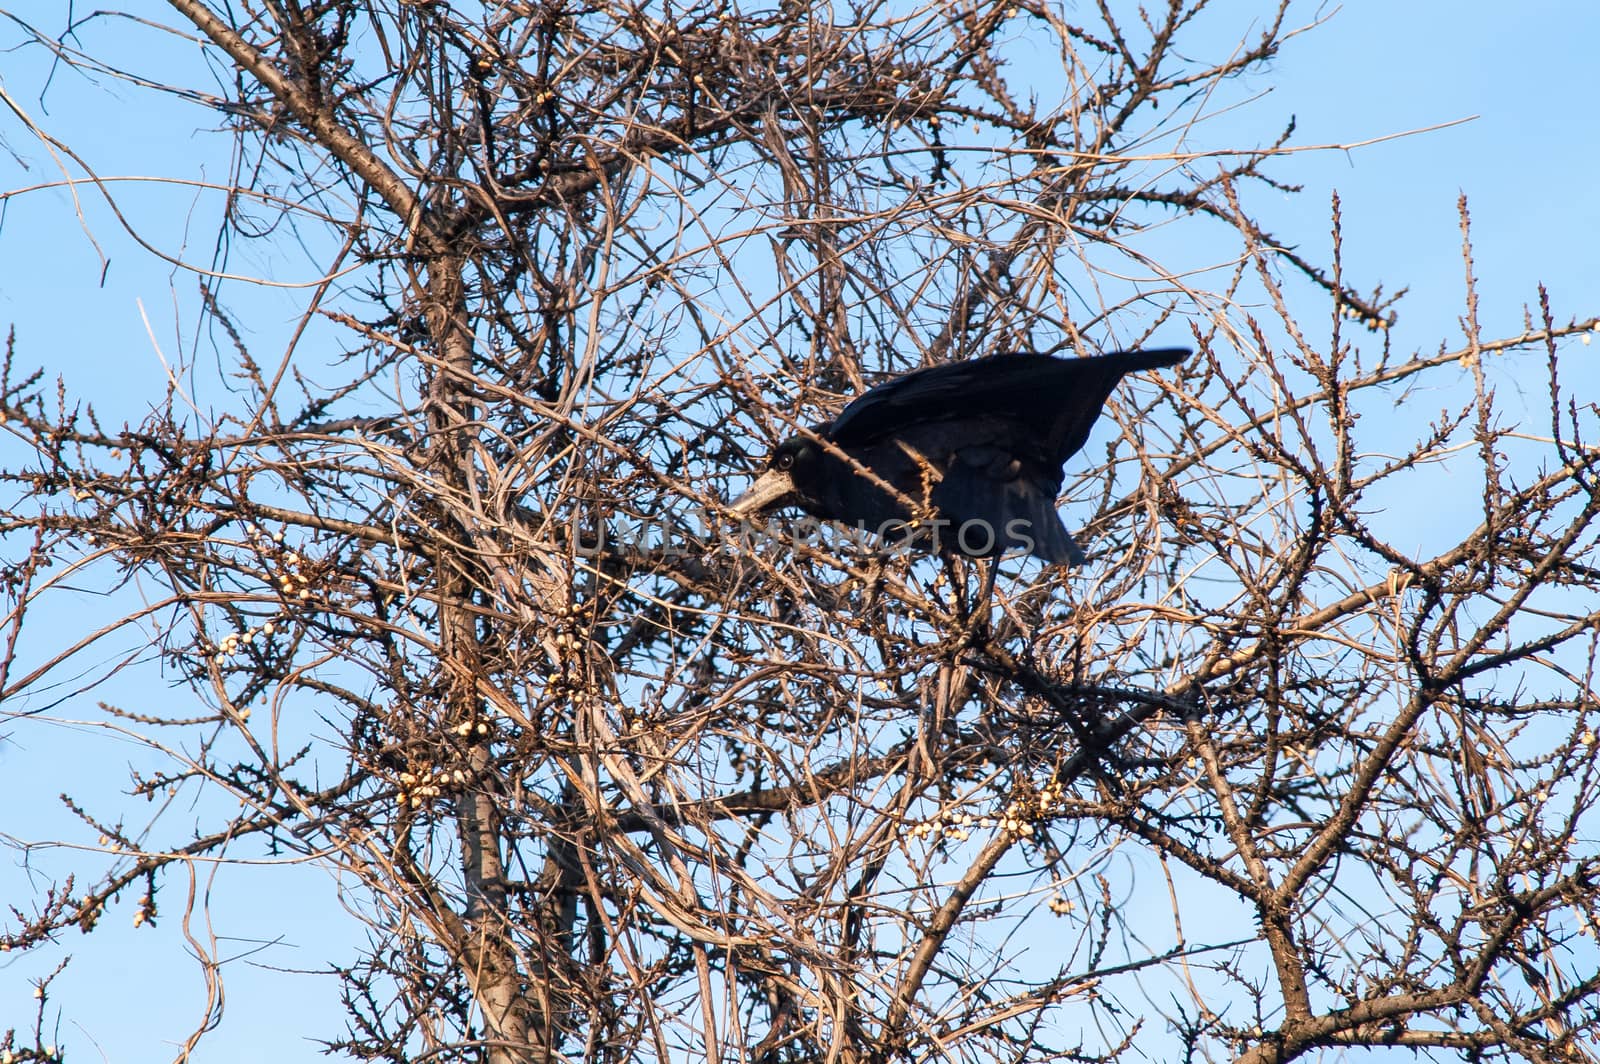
(938, 393)
(1051, 402)
(982, 441)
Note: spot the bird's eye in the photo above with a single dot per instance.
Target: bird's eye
(785, 461)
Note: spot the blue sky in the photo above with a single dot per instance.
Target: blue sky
(1527, 161)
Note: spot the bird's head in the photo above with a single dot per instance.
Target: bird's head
(792, 478)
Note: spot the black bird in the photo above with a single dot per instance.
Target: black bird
(963, 458)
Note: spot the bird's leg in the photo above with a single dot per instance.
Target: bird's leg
(990, 570)
(958, 587)
(978, 627)
(874, 582)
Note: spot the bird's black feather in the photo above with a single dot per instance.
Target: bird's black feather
(971, 450)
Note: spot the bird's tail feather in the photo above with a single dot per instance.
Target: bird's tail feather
(1052, 542)
(990, 517)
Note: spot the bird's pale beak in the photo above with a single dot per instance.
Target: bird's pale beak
(769, 491)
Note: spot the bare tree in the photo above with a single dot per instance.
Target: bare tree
(612, 780)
